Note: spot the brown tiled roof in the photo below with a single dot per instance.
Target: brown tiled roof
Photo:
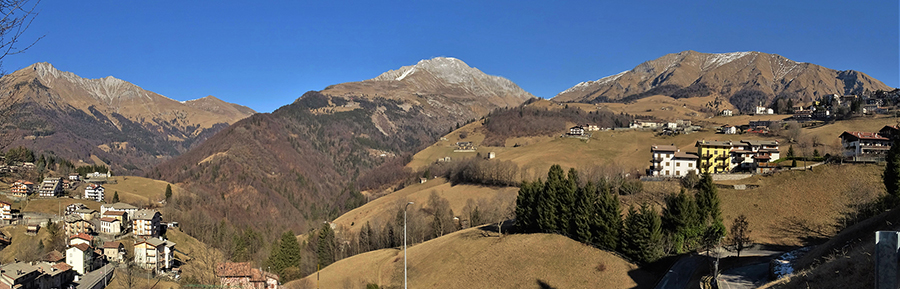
(667, 148)
(108, 219)
(114, 213)
(229, 269)
(111, 245)
(54, 257)
(83, 247)
(684, 155)
(62, 266)
(863, 135)
(83, 236)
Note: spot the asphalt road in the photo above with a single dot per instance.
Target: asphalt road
(681, 272)
(746, 277)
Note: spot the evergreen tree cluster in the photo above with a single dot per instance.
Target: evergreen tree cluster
(591, 214)
(284, 258)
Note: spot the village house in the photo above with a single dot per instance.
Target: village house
(154, 254)
(74, 177)
(40, 275)
(118, 207)
(464, 146)
(97, 177)
(244, 276)
(576, 130)
(71, 208)
(864, 146)
(891, 132)
(81, 238)
(146, 223)
(764, 110)
(119, 215)
(729, 129)
(715, 156)
(21, 188)
(75, 224)
(80, 257)
(727, 112)
(110, 226)
(94, 192)
(669, 161)
(32, 228)
(114, 252)
(54, 257)
(6, 216)
(50, 187)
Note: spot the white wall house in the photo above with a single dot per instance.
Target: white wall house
(154, 254)
(109, 225)
(145, 223)
(79, 257)
(94, 192)
(684, 163)
(661, 163)
(118, 207)
(864, 146)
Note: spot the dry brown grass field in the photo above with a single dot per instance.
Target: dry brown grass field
(21, 243)
(138, 190)
(56, 205)
(790, 208)
(381, 210)
(474, 258)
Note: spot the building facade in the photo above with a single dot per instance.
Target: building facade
(51, 187)
(94, 192)
(864, 146)
(714, 156)
(145, 223)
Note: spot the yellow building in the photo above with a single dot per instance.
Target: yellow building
(715, 156)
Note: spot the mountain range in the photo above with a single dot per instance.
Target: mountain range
(107, 119)
(746, 79)
(305, 161)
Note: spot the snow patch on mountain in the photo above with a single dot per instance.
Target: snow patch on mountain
(719, 59)
(582, 85)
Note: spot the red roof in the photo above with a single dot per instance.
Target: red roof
(863, 135)
(62, 266)
(112, 245)
(83, 247)
(83, 236)
(108, 219)
(229, 269)
(114, 213)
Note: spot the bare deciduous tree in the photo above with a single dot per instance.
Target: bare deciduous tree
(17, 17)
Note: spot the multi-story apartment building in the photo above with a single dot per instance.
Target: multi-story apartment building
(94, 192)
(145, 223)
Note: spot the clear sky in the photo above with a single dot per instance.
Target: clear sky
(265, 55)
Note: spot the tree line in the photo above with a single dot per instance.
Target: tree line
(525, 121)
(591, 214)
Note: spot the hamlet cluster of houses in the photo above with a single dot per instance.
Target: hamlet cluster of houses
(714, 157)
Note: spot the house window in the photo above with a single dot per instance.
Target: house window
(667, 172)
(677, 164)
(667, 164)
(690, 165)
(677, 173)
(668, 155)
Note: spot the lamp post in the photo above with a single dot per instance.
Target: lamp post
(404, 244)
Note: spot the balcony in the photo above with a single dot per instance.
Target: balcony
(707, 156)
(656, 160)
(722, 157)
(656, 168)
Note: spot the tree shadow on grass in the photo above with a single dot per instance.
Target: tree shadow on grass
(803, 230)
(544, 285)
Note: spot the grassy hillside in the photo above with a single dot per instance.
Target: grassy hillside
(383, 209)
(792, 208)
(138, 190)
(474, 258)
(56, 205)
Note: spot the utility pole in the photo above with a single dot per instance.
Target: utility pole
(404, 244)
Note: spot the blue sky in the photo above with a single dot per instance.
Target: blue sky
(265, 55)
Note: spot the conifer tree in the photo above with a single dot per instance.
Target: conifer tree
(891, 175)
(584, 213)
(168, 191)
(525, 207)
(566, 205)
(643, 234)
(607, 225)
(325, 248)
(285, 254)
(680, 221)
(548, 199)
(115, 198)
(708, 201)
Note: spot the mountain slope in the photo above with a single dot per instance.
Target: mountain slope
(126, 126)
(746, 79)
(471, 259)
(304, 161)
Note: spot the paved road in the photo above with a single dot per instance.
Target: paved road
(680, 273)
(746, 277)
(94, 278)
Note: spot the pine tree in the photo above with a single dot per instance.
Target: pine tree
(525, 207)
(643, 234)
(891, 175)
(325, 248)
(548, 199)
(607, 225)
(566, 205)
(584, 214)
(790, 152)
(285, 253)
(680, 221)
(708, 209)
(115, 198)
(168, 191)
(740, 233)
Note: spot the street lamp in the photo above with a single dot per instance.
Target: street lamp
(404, 243)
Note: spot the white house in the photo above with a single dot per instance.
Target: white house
(864, 146)
(661, 160)
(684, 163)
(94, 192)
(80, 238)
(114, 251)
(576, 130)
(5, 213)
(727, 112)
(764, 110)
(729, 129)
(80, 257)
(51, 187)
(118, 207)
(110, 225)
